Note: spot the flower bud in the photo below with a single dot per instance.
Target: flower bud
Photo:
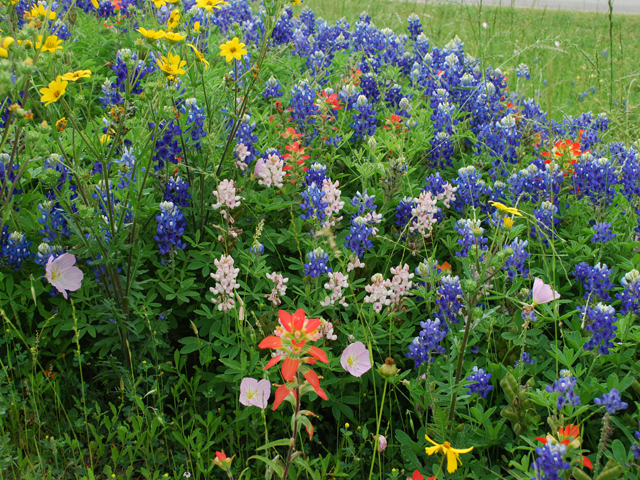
(389, 369)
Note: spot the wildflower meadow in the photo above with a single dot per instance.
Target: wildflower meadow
(240, 241)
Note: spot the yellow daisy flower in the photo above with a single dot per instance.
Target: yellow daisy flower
(151, 35)
(95, 4)
(232, 49)
(447, 450)
(196, 26)
(4, 46)
(77, 75)
(159, 3)
(174, 37)
(51, 44)
(199, 56)
(508, 222)
(172, 65)
(174, 19)
(209, 5)
(55, 90)
(40, 12)
(503, 209)
(296, 2)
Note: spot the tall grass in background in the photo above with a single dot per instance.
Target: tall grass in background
(571, 69)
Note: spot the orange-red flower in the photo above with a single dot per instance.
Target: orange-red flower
(328, 102)
(291, 342)
(569, 437)
(291, 133)
(566, 152)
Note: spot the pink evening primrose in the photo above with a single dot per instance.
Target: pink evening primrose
(382, 443)
(62, 274)
(355, 359)
(254, 393)
(543, 293)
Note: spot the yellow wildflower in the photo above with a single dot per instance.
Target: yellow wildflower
(232, 49)
(174, 37)
(209, 5)
(199, 56)
(296, 2)
(503, 209)
(40, 12)
(77, 75)
(174, 19)
(196, 26)
(55, 90)
(508, 222)
(151, 35)
(95, 4)
(172, 65)
(61, 124)
(447, 450)
(51, 44)
(4, 46)
(159, 3)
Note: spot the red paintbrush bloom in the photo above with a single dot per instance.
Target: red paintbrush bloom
(291, 341)
(328, 102)
(291, 133)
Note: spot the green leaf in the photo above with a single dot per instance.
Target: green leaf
(619, 452)
(276, 443)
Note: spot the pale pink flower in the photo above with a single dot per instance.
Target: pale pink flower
(278, 289)
(400, 285)
(382, 443)
(424, 212)
(326, 330)
(485, 25)
(337, 282)
(379, 292)
(62, 274)
(355, 359)
(242, 152)
(272, 173)
(354, 262)
(254, 393)
(259, 168)
(225, 278)
(226, 196)
(335, 204)
(543, 293)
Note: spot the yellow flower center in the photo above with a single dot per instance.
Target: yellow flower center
(251, 394)
(56, 93)
(55, 272)
(351, 360)
(446, 445)
(232, 49)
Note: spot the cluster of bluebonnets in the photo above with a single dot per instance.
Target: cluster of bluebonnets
(377, 139)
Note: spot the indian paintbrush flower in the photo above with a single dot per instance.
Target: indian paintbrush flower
(291, 342)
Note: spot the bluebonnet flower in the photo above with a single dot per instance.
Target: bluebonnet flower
(516, 262)
(126, 168)
(167, 147)
(302, 107)
(176, 190)
(629, 171)
(523, 71)
(313, 204)
(246, 137)
(591, 126)
(393, 96)
(537, 181)
(415, 27)
(16, 249)
(365, 121)
(549, 462)
(370, 89)
(317, 174)
(349, 95)
(106, 9)
(449, 298)
(171, 226)
(403, 212)
(611, 401)
(525, 358)
(565, 387)
(603, 233)
(546, 218)
(635, 449)
(470, 187)
(317, 265)
(595, 178)
(602, 327)
(428, 341)
(45, 251)
(195, 121)
(308, 19)
(474, 349)
(480, 384)
(443, 125)
(283, 30)
(630, 296)
(358, 239)
(272, 88)
(594, 279)
(53, 221)
(471, 233)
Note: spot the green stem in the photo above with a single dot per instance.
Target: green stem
(375, 445)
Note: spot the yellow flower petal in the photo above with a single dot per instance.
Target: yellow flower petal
(452, 461)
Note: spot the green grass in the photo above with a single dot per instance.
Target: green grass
(515, 35)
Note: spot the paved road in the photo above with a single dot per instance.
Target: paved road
(619, 6)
